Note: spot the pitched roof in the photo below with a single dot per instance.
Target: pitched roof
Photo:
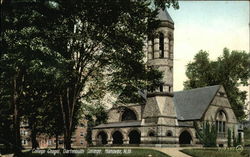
(163, 15)
(191, 104)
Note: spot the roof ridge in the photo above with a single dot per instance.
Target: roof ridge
(197, 88)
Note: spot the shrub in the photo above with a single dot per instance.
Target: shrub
(207, 135)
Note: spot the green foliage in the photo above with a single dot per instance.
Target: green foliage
(231, 70)
(246, 136)
(234, 139)
(27, 58)
(229, 138)
(207, 134)
(96, 115)
(64, 54)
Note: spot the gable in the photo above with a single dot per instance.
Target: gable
(192, 104)
(220, 102)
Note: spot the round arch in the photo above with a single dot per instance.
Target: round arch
(220, 110)
(151, 133)
(185, 137)
(128, 114)
(102, 138)
(169, 133)
(134, 137)
(117, 137)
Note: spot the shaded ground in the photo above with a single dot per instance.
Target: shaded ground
(214, 153)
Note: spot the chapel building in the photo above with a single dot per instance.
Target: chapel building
(167, 118)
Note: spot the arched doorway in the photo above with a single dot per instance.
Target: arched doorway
(134, 137)
(102, 138)
(117, 137)
(185, 138)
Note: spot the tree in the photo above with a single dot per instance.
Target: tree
(87, 51)
(24, 64)
(13, 65)
(97, 46)
(95, 115)
(231, 70)
(207, 134)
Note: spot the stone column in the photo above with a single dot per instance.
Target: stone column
(110, 141)
(150, 50)
(171, 49)
(125, 141)
(94, 142)
(94, 132)
(156, 48)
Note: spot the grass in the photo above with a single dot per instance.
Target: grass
(215, 153)
(107, 152)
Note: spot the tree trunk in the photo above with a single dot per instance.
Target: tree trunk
(67, 136)
(66, 123)
(16, 120)
(67, 142)
(56, 140)
(34, 142)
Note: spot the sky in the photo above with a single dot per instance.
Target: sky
(209, 26)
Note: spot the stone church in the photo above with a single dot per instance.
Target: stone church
(167, 117)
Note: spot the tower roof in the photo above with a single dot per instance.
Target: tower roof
(163, 15)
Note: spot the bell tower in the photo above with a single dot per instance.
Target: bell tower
(160, 51)
(159, 111)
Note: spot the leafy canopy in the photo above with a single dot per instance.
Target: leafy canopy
(231, 70)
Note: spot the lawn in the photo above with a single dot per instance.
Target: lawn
(101, 152)
(215, 153)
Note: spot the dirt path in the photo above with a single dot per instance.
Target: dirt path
(173, 152)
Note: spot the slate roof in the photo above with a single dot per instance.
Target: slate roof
(191, 104)
(163, 15)
(119, 124)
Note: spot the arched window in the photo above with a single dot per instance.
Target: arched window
(169, 133)
(128, 114)
(151, 133)
(221, 121)
(161, 45)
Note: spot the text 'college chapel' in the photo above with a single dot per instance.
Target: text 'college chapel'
(167, 117)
